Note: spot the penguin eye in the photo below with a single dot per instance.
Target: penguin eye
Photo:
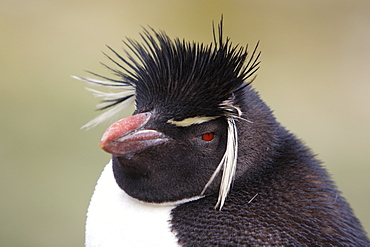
(208, 136)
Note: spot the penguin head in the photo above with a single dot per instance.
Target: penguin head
(182, 140)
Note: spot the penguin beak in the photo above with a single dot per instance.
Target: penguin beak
(128, 136)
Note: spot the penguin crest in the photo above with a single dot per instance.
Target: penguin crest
(178, 79)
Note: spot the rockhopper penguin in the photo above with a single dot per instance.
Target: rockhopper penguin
(202, 161)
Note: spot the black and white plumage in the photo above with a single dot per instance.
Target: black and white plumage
(203, 161)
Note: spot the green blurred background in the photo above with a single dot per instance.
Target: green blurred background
(315, 74)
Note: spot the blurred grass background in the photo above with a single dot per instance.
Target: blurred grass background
(315, 74)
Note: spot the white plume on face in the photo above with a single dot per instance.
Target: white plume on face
(227, 164)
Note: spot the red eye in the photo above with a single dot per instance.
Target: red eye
(208, 136)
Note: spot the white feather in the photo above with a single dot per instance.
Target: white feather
(104, 83)
(109, 114)
(115, 219)
(108, 95)
(114, 111)
(227, 164)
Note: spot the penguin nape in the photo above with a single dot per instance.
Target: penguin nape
(202, 161)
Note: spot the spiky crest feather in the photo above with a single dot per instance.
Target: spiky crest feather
(179, 79)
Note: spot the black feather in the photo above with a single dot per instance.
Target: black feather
(181, 79)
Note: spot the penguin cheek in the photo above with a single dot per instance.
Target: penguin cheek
(129, 168)
(164, 174)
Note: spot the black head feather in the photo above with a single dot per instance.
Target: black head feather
(181, 79)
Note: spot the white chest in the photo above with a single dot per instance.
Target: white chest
(115, 219)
